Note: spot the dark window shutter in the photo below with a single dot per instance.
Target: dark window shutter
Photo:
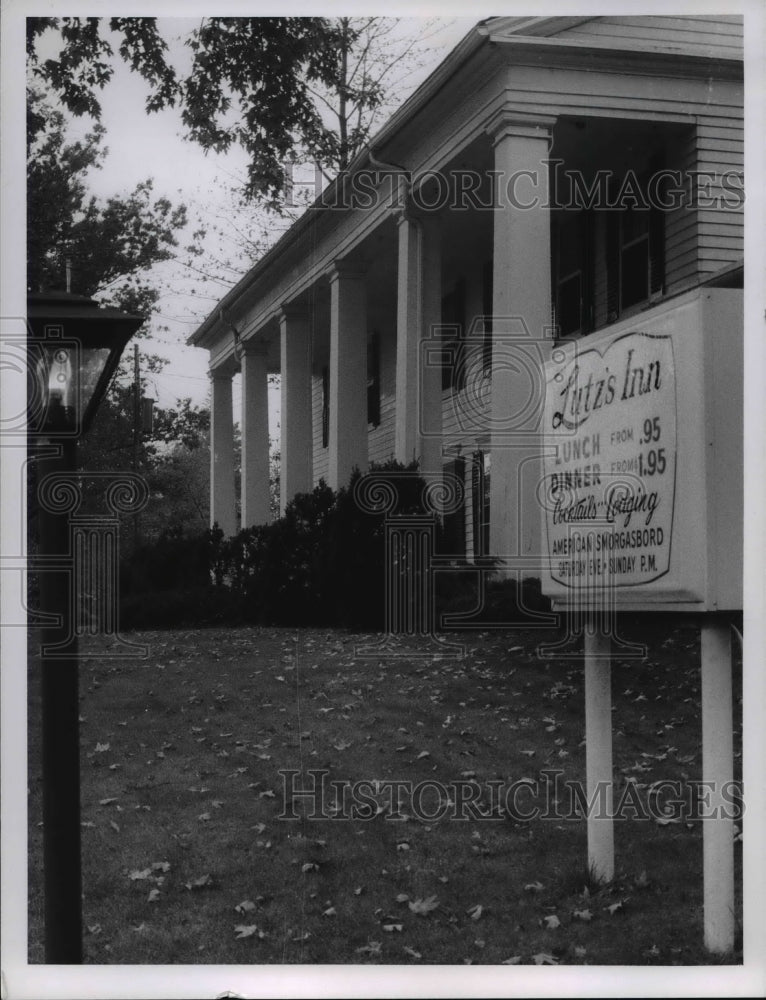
(453, 320)
(487, 295)
(325, 407)
(373, 380)
(657, 251)
(477, 501)
(612, 266)
(454, 522)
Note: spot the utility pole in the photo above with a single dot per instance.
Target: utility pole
(136, 431)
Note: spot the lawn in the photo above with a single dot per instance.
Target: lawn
(197, 850)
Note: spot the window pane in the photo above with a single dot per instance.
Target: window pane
(635, 274)
(569, 305)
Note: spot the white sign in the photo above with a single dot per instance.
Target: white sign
(610, 465)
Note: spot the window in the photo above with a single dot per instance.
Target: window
(453, 333)
(373, 380)
(480, 503)
(487, 309)
(572, 248)
(325, 407)
(635, 249)
(454, 521)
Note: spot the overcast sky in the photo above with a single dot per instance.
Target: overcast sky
(141, 146)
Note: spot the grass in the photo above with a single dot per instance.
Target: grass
(181, 755)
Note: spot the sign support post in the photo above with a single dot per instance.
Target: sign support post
(598, 750)
(717, 775)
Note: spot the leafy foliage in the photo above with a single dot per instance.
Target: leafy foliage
(323, 562)
(281, 88)
(111, 245)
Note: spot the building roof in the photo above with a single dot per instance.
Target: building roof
(679, 41)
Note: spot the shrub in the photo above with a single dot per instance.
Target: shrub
(174, 561)
(322, 562)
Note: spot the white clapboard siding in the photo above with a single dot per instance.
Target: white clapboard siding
(681, 224)
(321, 455)
(381, 440)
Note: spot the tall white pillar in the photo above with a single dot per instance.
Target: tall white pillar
(222, 504)
(418, 382)
(521, 310)
(717, 777)
(296, 430)
(348, 373)
(255, 437)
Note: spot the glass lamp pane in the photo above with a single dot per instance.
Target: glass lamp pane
(92, 366)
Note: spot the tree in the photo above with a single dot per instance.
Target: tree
(281, 88)
(112, 245)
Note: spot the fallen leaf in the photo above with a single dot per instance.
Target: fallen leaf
(101, 747)
(154, 895)
(551, 922)
(411, 952)
(543, 958)
(583, 915)
(246, 906)
(329, 912)
(475, 912)
(533, 887)
(136, 875)
(392, 927)
(402, 897)
(371, 948)
(422, 754)
(106, 802)
(245, 931)
(199, 883)
(114, 825)
(614, 907)
(161, 866)
(423, 906)
(514, 960)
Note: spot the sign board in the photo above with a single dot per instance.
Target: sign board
(642, 492)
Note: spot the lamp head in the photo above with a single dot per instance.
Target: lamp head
(74, 346)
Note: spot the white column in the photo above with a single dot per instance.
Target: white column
(222, 505)
(296, 441)
(521, 310)
(598, 753)
(255, 437)
(717, 777)
(348, 373)
(418, 383)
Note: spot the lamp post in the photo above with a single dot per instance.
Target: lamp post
(74, 346)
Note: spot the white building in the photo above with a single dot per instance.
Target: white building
(552, 177)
